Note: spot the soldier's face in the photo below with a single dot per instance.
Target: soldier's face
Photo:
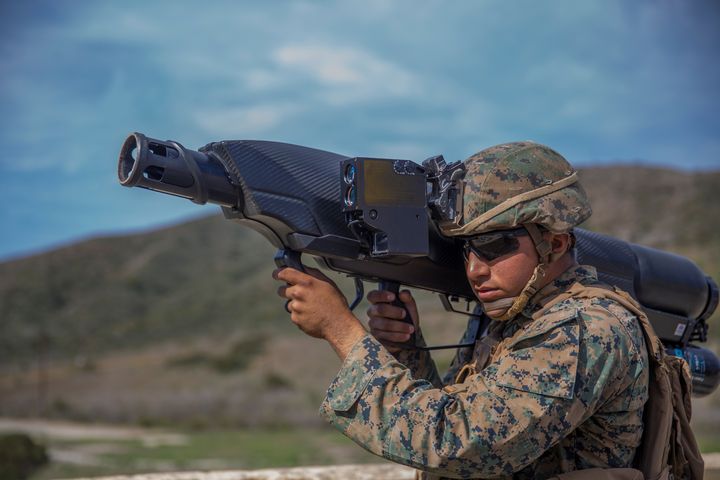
(503, 277)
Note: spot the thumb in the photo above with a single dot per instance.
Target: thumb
(314, 272)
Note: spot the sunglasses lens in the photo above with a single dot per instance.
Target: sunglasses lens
(492, 246)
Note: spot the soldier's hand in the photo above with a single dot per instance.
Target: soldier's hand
(318, 308)
(386, 320)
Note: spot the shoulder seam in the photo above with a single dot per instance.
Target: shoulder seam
(636, 351)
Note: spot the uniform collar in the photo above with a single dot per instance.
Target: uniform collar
(584, 274)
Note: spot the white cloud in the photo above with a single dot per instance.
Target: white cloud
(330, 66)
(263, 80)
(244, 121)
(348, 74)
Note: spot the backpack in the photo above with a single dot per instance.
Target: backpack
(668, 450)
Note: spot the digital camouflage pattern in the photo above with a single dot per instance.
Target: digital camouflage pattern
(563, 391)
(502, 172)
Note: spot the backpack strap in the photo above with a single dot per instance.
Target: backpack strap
(653, 344)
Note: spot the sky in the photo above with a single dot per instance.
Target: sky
(601, 81)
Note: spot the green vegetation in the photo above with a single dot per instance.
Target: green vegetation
(203, 278)
(215, 449)
(235, 358)
(20, 456)
(708, 442)
(204, 450)
(276, 381)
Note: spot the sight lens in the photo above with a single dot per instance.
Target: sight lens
(351, 196)
(350, 171)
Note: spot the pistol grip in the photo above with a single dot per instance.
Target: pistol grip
(288, 258)
(394, 287)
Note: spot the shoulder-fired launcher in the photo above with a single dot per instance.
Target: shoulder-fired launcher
(377, 220)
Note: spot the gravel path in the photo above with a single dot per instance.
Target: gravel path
(79, 431)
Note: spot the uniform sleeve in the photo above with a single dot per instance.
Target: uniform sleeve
(422, 366)
(420, 363)
(463, 356)
(496, 423)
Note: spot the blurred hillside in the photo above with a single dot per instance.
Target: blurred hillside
(201, 278)
(183, 325)
(662, 208)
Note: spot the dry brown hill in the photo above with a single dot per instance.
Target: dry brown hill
(182, 324)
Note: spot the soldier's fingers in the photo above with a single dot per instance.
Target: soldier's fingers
(392, 337)
(391, 326)
(386, 310)
(314, 272)
(281, 291)
(410, 304)
(294, 292)
(378, 296)
(291, 276)
(296, 307)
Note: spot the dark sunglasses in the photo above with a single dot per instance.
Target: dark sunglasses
(493, 245)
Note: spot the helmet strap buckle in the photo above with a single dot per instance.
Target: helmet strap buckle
(542, 246)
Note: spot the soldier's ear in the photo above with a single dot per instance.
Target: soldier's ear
(560, 243)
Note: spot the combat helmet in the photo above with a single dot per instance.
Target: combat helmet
(520, 184)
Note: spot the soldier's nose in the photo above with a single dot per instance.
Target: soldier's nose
(476, 268)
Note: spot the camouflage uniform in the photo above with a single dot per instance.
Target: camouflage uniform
(564, 384)
(564, 391)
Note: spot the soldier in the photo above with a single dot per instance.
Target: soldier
(559, 379)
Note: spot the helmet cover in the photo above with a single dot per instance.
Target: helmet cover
(512, 184)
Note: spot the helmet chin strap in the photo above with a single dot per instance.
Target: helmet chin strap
(502, 304)
(519, 302)
(515, 305)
